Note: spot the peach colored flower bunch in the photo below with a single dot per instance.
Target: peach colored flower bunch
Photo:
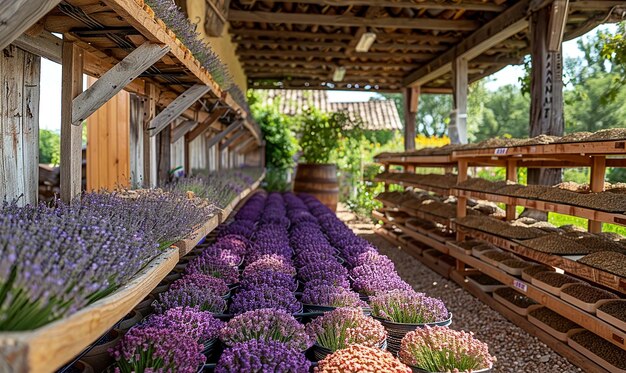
(346, 326)
(361, 359)
(441, 349)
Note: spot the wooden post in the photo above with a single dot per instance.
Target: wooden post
(458, 126)
(19, 121)
(136, 142)
(164, 156)
(149, 142)
(71, 136)
(511, 175)
(596, 183)
(461, 207)
(546, 106)
(411, 97)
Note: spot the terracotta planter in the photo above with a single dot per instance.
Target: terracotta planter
(98, 357)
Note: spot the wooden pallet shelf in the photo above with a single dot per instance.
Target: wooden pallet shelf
(422, 237)
(549, 151)
(583, 271)
(577, 315)
(417, 160)
(428, 188)
(415, 212)
(548, 206)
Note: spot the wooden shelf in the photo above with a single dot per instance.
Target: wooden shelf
(429, 188)
(548, 206)
(49, 347)
(549, 151)
(573, 313)
(561, 348)
(415, 212)
(586, 272)
(419, 236)
(417, 160)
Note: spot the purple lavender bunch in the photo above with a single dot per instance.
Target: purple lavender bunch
(265, 297)
(269, 278)
(189, 295)
(328, 270)
(379, 283)
(266, 325)
(209, 284)
(225, 256)
(374, 259)
(332, 296)
(145, 349)
(341, 283)
(272, 262)
(408, 307)
(310, 257)
(236, 244)
(262, 356)
(200, 326)
(243, 228)
(214, 267)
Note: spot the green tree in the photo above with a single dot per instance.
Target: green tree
(432, 116)
(49, 147)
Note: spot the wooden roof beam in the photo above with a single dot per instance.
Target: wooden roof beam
(316, 54)
(18, 16)
(233, 138)
(324, 45)
(234, 126)
(425, 4)
(347, 20)
(238, 34)
(507, 24)
(179, 131)
(177, 107)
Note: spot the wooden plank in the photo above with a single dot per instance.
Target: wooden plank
(206, 124)
(18, 16)
(411, 96)
(179, 131)
(424, 4)
(115, 80)
(596, 184)
(71, 136)
(569, 311)
(241, 147)
(44, 44)
(218, 137)
(507, 24)
(457, 128)
(55, 344)
(149, 142)
(177, 107)
(349, 21)
(233, 138)
(136, 143)
(30, 127)
(380, 56)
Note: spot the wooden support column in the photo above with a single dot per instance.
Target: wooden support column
(71, 135)
(546, 106)
(135, 136)
(461, 207)
(511, 175)
(149, 142)
(457, 129)
(163, 155)
(19, 123)
(411, 100)
(598, 170)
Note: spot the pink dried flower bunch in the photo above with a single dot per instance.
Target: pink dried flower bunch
(272, 262)
(332, 296)
(190, 295)
(199, 325)
(214, 267)
(331, 270)
(441, 349)
(346, 326)
(266, 324)
(153, 349)
(408, 307)
(361, 359)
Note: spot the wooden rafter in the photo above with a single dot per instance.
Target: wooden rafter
(179, 131)
(314, 54)
(177, 107)
(347, 20)
(425, 4)
(218, 137)
(16, 16)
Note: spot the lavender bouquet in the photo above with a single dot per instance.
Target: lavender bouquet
(266, 325)
(159, 350)
(440, 349)
(346, 326)
(331, 296)
(214, 267)
(200, 326)
(262, 356)
(361, 359)
(189, 295)
(275, 263)
(328, 270)
(268, 278)
(265, 296)
(209, 284)
(408, 307)
(377, 282)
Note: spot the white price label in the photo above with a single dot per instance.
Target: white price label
(500, 151)
(520, 285)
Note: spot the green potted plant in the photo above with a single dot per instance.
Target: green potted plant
(320, 134)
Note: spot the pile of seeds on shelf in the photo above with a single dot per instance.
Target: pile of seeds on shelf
(484, 280)
(601, 347)
(516, 263)
(469, 244)
(616, 309)
(497, 255)
(514, 297)
(556, 244)
(608, 261)
(596, 243)
(553, 319)
(536, 268)
(587, 293)
(500, 228)
(555, 279)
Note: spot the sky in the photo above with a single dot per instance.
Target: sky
(50, 103)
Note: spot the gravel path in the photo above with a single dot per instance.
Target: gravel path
(516, 350)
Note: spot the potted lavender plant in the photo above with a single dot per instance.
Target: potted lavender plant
(265, 296)
(262, 356)
(266, 324)
(401, 311)
(343, 327)
(441, 349)
(326, 298)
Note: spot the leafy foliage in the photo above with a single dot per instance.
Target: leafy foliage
(49, 147)
(320, 134)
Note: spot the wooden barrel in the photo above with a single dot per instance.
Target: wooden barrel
(319, 180)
